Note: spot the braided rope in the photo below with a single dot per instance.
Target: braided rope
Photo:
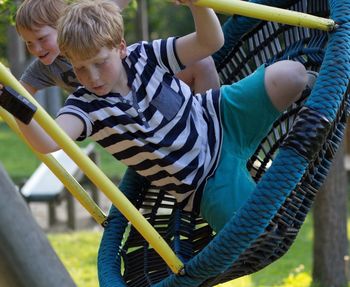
(286, 171)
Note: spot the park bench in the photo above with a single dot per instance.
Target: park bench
(44, 186)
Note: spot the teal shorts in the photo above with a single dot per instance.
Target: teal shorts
(247, 115)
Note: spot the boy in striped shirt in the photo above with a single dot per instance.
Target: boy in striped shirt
(195, 146)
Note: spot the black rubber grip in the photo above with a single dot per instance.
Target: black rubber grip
(17, 105)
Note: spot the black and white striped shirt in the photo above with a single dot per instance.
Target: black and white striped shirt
(160, 129)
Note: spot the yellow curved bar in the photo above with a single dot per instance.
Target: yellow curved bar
(97, 176)
(66, 178)
(268, 13)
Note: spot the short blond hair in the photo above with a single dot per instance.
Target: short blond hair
(35, 13)
(87, 26)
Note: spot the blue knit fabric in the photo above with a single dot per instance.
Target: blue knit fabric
(109, 260)
(275, 186)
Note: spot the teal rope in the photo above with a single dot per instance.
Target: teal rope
(249, 222)
(335, 69)
(109, 259)
(283, 175)
(236, 26)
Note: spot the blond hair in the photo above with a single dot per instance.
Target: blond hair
(35, 13)
(87, 26)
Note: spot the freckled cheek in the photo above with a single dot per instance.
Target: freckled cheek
(82, 78)
(51, 46)
(32, 49)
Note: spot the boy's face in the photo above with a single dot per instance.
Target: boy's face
(42, 43)
(104, 73)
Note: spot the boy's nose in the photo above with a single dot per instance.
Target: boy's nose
(93, 75)
(36, 48)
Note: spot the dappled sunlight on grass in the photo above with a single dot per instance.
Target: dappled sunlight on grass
(302, 279)
(296, 280)
(245, 281)
(78, 252)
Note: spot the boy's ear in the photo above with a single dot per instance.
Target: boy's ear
(122, 49)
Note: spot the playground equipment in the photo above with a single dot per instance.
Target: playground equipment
(300, 147)
(44, 186)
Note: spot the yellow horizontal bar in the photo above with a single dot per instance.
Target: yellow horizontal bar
(66, 178)
(268, 13)
(97, 176)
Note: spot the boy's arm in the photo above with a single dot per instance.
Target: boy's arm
(37, 136)
(207, 39)
(41, 141)
(29, 88)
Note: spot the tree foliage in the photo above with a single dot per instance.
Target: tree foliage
(7, 12)
(165, 19)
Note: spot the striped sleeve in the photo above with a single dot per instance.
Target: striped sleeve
(166, 56)
(72, 106)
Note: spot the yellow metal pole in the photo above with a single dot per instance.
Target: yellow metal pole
(268, 13)
(66, 178)
(97, 176)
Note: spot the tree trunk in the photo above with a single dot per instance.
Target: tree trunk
(27, 258)
(16, 52)
(330, 228)
(142, 20)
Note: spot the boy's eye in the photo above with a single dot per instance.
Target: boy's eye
(101, 63)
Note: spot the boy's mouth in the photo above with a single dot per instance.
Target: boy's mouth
(98, 87)
(43, 56)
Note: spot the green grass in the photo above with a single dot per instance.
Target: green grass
(15, 155)
(78, 252)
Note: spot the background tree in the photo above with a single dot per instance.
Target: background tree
(330, 228)
(7, 10)
(11, 46)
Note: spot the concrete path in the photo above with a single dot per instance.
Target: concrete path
(83, 219)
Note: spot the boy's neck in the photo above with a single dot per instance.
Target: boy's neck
(124, 91)
(122, 87)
